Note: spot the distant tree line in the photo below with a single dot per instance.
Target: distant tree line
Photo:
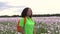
(38, 15)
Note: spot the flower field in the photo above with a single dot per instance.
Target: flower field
(44, 25)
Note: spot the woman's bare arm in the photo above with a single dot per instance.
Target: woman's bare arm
(21, 30)
(35, 29)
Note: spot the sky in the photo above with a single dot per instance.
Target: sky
(15, 7)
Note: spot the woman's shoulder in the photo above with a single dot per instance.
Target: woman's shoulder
(21, 18)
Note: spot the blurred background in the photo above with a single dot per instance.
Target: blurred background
(46, 14)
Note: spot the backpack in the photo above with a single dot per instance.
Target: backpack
(18, 27)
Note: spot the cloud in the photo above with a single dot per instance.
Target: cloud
(4, 5)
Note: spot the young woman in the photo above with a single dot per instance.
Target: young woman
(28, 27)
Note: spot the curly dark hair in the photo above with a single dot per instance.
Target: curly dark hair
(24, 12)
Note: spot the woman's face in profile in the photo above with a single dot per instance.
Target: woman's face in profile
(29, 12)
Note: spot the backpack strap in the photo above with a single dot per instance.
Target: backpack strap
(24, 20)
(18, 23)
(18, 27)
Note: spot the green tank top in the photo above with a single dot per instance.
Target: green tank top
(29, 25)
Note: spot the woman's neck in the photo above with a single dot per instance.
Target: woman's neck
(29, 17)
